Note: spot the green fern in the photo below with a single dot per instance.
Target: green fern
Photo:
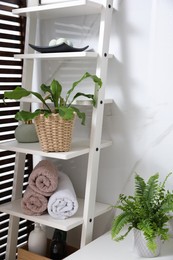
(148, 210)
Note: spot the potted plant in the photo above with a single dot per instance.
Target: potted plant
(58, 114)
(146, 212)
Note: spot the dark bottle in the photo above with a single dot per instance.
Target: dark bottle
(57, 249)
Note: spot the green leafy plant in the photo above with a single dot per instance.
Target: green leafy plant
(63, 106)
(148, 210)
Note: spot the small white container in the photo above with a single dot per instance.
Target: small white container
(37, 241)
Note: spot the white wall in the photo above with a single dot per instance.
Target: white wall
(142, 113)
(140, 81)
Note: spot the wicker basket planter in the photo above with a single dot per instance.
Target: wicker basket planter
(54, 133)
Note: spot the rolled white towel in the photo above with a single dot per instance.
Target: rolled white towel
(63, 203)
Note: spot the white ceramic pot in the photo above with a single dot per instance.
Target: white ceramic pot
(140, 245)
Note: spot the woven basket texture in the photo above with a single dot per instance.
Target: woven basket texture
(54, 133)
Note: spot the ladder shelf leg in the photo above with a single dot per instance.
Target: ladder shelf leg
(96, 125)
(16, 194)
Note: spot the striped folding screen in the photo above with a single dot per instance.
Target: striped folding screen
(12, 32)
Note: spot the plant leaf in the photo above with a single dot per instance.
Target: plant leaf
(139, 186)
(56, 90)
(66, 113)
(164, 182)
(118, 223)
(151, 189)
(89, 96)
(45, 89)
(81, 115)
(167, 203)
(20, 92)
(95, 79)
(17, 93)
(26, 115)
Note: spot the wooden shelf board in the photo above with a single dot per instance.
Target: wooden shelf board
(59, 55)
(62, 9)
(31, 99)
(14, 208)
(77, 149)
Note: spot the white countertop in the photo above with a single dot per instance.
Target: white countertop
(104, 248)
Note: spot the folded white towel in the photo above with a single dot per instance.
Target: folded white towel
(63, 203)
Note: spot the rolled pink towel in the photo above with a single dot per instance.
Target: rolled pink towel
(33, 203)
(44, 178)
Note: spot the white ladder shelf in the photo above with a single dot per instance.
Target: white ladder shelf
(88, 209)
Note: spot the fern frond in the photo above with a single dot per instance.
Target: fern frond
(139, 186)
(165, 180)
(146, 226)
(151, 189)
(163, 233)
(161, 192)
(167, 203)
(118, 223)
(152, 245)
(121, 237)
(150, 234)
